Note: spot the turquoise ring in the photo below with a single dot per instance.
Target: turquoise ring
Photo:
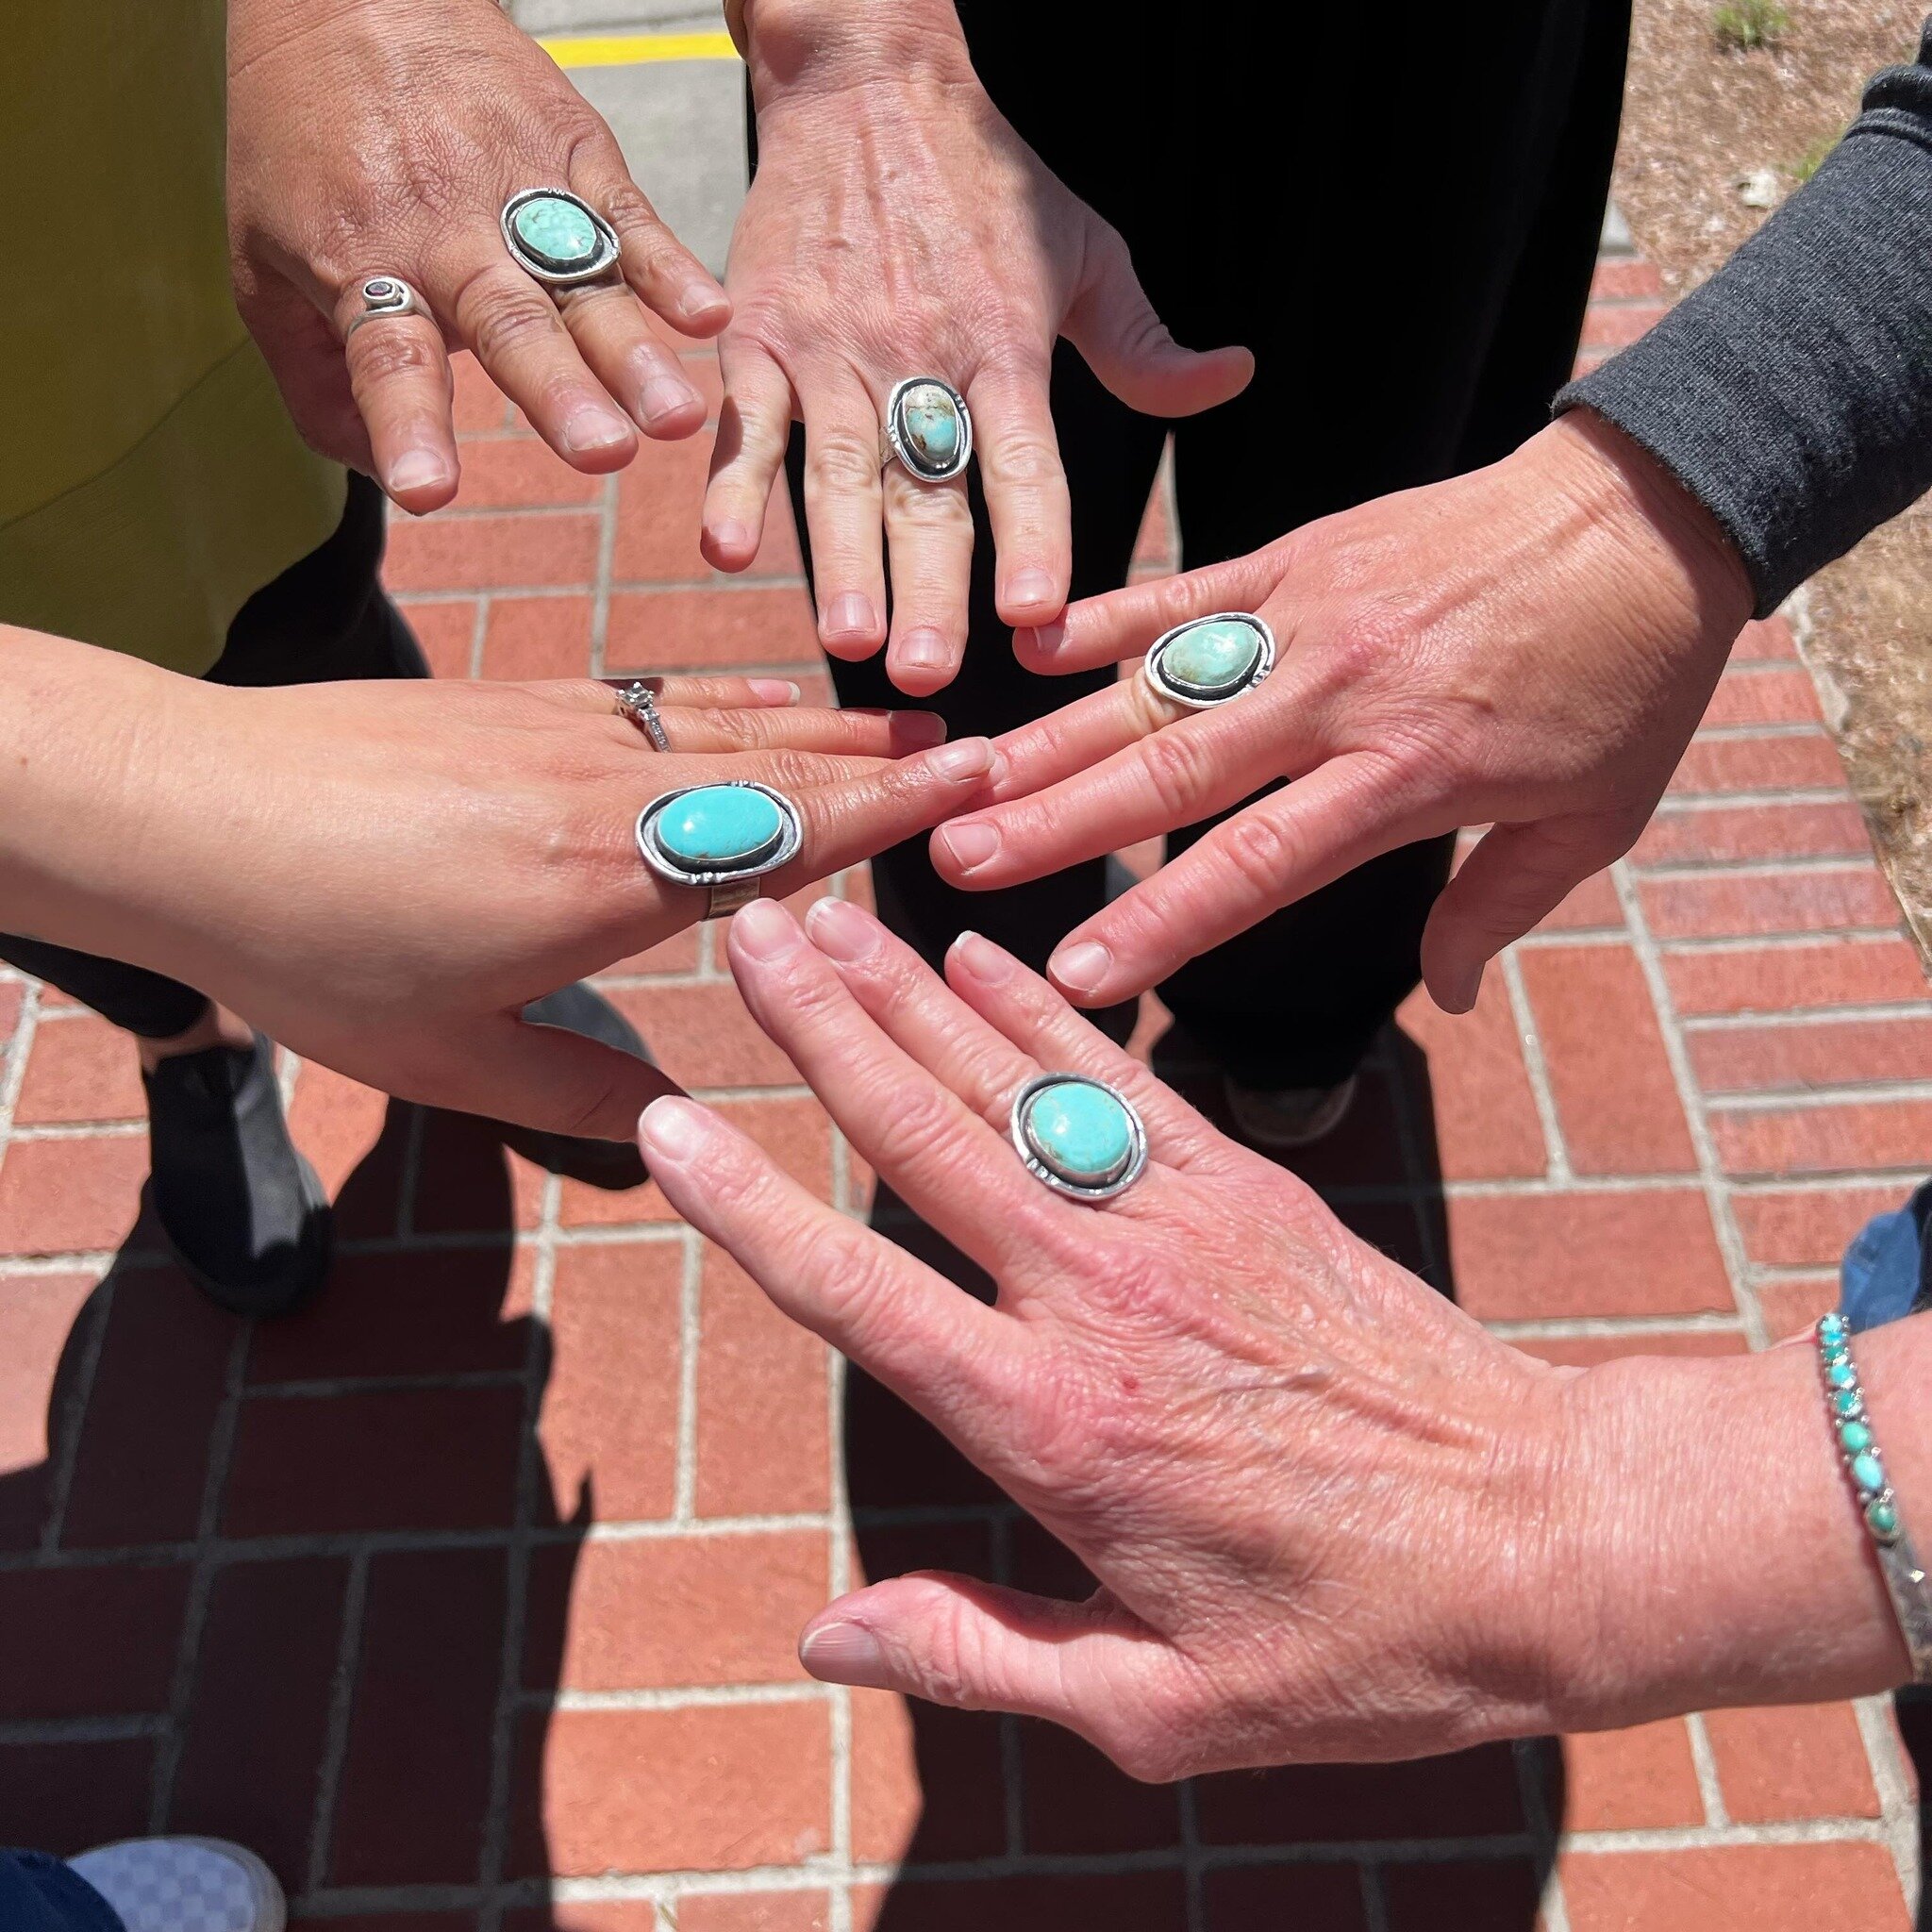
(1210, 660)
(558, 237)
(928, 429)
(721, 839)
(1078, 1136)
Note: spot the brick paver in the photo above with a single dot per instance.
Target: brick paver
(469, 1595)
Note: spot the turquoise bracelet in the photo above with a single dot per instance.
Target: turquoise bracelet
(1864, 1462)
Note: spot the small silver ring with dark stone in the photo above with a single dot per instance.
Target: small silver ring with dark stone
(558, 237)
(384, 295)
(928, 430)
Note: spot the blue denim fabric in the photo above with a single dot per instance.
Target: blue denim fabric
(41, 1894)
(1884, 1274)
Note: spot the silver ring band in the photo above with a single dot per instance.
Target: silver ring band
(928, 430)
(638, 703)
(719, 839)
(385, 295)
(558, 238)
(1210, 660)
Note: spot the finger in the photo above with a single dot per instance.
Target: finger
(1123, 624)
(665, 274)
(842, 734)
(948, 1355)
(978, 1646)
(1273, 853)
(1064, 743)
(734, 692)
(1026, 498)
(512, 327)
(754, 426)
(842, 500)
(948, 1165)
(641, 372)
(399, 376)
(1126, 345)
(1516, 875)
(1177, 776)
(930, 533)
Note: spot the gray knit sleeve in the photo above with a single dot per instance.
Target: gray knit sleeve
(1791, 393)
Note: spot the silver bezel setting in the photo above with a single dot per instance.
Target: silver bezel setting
(1151, 671)
(1040, 1170)
(895, 436)
(608, 246)
(668, 868)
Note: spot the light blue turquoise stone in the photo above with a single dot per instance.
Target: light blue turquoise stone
(1832, 1323)
(1846, 1402)
(1853, 1437)
(1212, 657)
(718, 827)
(558, 233)
(1868, 1472)
(929, 421)
(1882, 1517)
(1080, 1131)
(1841, 1376)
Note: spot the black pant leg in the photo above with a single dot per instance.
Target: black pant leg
(325, 617)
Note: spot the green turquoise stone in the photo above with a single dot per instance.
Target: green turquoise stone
(1868, 1472)
(719, 829)
(1853, 1437)
(1882, 1517)
(558, 232)
(1211, 658)
(1846, 1402)
(1841, 1376)
(1080, 1131)
(930, 424)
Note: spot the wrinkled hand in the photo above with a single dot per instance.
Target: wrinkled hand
(382, 137)
(381, 876)
(1528, 647)
(898, 226)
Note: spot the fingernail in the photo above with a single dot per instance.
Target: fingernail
(698, 301)
(587, 431)
(775, 691)
(850, 615)
(731, 536)
(841, 931)
(1080, 968)
(970, 842)
(1048, 637)
(971, 758)
(986, 961)
(674, 1130)
(664, 395)
(1463, 991)
(417, 469)
(925, 648)
(1029, 587)
(844, 1654)
(765, 930)
(918, 728)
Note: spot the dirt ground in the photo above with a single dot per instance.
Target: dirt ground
(1699, 121)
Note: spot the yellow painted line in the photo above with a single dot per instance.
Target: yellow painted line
(634, 50)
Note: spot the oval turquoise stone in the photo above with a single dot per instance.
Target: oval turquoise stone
(1080, 1131)
(1211, 658)
(1882, 1517)
(719, 829)
(1846, 1402)
(1833, 1324)
(1853, 1437)
(1841, 1375)
(930, 424)
(558, 232)
(1868, 1472)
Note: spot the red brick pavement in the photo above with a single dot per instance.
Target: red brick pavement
(468, 1596)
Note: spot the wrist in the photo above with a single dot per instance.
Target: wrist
(824, 46)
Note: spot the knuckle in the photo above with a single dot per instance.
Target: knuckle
(1259, 852)
(1023, 461)
(837, 460)
(1178, 769)
(915, 1121)
(386, 354)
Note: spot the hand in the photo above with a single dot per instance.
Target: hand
(382, 137)
(1330, 1516)
(898, 226)
(381, 876)
(1529, 646)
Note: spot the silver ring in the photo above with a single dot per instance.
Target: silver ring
(385, 295)
(1113, 1156)
(928, 429)
(638, 703)
(720, 840)
(558, 237)
(1210, 660)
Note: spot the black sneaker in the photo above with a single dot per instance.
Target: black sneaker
(612, 1165)
(245, 1215)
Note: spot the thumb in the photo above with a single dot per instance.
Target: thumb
(978, 1646)
(1516, 875)
(1126, 345)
